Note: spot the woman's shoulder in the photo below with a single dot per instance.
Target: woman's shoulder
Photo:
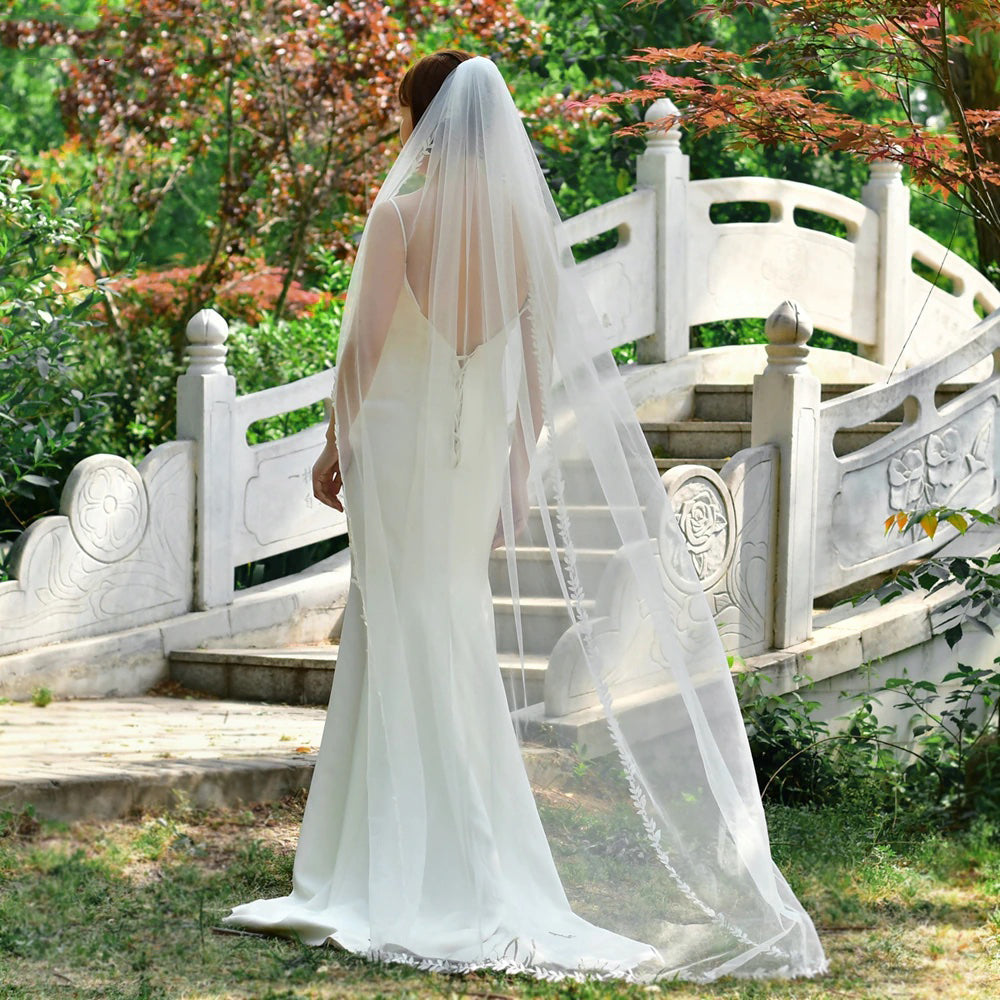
(385, 223)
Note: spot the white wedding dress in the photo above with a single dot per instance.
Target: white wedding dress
(474, 383)
(420, 820)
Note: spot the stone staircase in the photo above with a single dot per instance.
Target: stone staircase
(718, 428)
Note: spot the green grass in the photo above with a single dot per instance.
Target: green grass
(127, 909)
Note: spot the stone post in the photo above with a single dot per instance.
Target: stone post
(663, 167)
(786, 401)
(206, 398)
(886, 194)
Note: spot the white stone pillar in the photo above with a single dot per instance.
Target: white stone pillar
(786, 400)
(206, 399)
(663, 167)
(886, 194)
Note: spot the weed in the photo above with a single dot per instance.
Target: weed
(41, 697)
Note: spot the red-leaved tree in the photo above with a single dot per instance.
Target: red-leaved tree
(282, 109)
(931, 70)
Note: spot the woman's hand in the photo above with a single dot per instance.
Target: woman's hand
(327, 478)
(520, 508)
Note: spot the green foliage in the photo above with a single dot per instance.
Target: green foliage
(959, 751)
(275, 352)
(41, 697)
(46, 408)
(786, 743)
(30, 119)
(978, 602)
(947, 774)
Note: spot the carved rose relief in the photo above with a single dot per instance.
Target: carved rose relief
(932, 473)
(701, 515)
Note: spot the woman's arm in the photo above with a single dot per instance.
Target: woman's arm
(380, 282)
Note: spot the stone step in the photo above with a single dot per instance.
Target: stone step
(543, 621)
(854, 438)
(591, 526)
(293, 675)
(735, 402)
(722, 402)
(536, 576)
(303, 675)
(697, 442)
(697, 439)
(95, 759)
(663, 464)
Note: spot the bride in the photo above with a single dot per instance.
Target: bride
(475, 402)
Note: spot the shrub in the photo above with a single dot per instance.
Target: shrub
(46, 410)
(274, 352)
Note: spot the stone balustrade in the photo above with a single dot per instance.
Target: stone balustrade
(133, 546)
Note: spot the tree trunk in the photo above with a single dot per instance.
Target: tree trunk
(977, 83)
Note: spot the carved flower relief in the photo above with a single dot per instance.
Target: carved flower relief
(108, 508)
(702, 519)
(945, 459)
(906, 480)
(937, 471)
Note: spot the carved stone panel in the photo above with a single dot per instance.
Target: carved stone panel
(952, 466)
(705, 515)
(726, 524)
(119, 555)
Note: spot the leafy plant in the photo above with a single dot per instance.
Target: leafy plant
(931, 70)
(45, 409)
(977, 601)
(41, 697)
(276, 351)
(254, 129)
(958, 744)
(786, 742)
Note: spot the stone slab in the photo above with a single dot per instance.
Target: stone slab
(100, 758)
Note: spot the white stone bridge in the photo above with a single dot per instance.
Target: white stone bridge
(783, 462)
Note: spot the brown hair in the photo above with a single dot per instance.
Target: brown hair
(424, 79)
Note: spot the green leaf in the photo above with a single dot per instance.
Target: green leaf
(959, 522)
(959, 569)
(38, 480)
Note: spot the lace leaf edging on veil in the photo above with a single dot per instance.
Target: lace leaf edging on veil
(573, 593)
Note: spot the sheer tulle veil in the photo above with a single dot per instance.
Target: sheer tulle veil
(663, 838)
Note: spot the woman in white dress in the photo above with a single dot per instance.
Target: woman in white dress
(476, 402)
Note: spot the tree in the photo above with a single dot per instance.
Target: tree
(45, 413)
(268, 119)
(931, 68)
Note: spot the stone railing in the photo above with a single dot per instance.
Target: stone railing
(861, 285)
(136, 545)
(254, 500)
(831, 505)
(944, 454)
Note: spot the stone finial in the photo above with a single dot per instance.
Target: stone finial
(660, 136)
(886, 171)
(788, 331)
(206, 333)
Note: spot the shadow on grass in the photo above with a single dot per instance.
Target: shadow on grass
(127, 910)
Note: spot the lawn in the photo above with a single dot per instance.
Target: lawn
(128, 909)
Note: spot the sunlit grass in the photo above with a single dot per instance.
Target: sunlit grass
(128, 910)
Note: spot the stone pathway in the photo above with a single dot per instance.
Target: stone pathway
(101, 758)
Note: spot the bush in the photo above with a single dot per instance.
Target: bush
(274, 352)
(46, 410)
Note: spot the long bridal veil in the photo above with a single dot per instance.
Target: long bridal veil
(655, 825)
